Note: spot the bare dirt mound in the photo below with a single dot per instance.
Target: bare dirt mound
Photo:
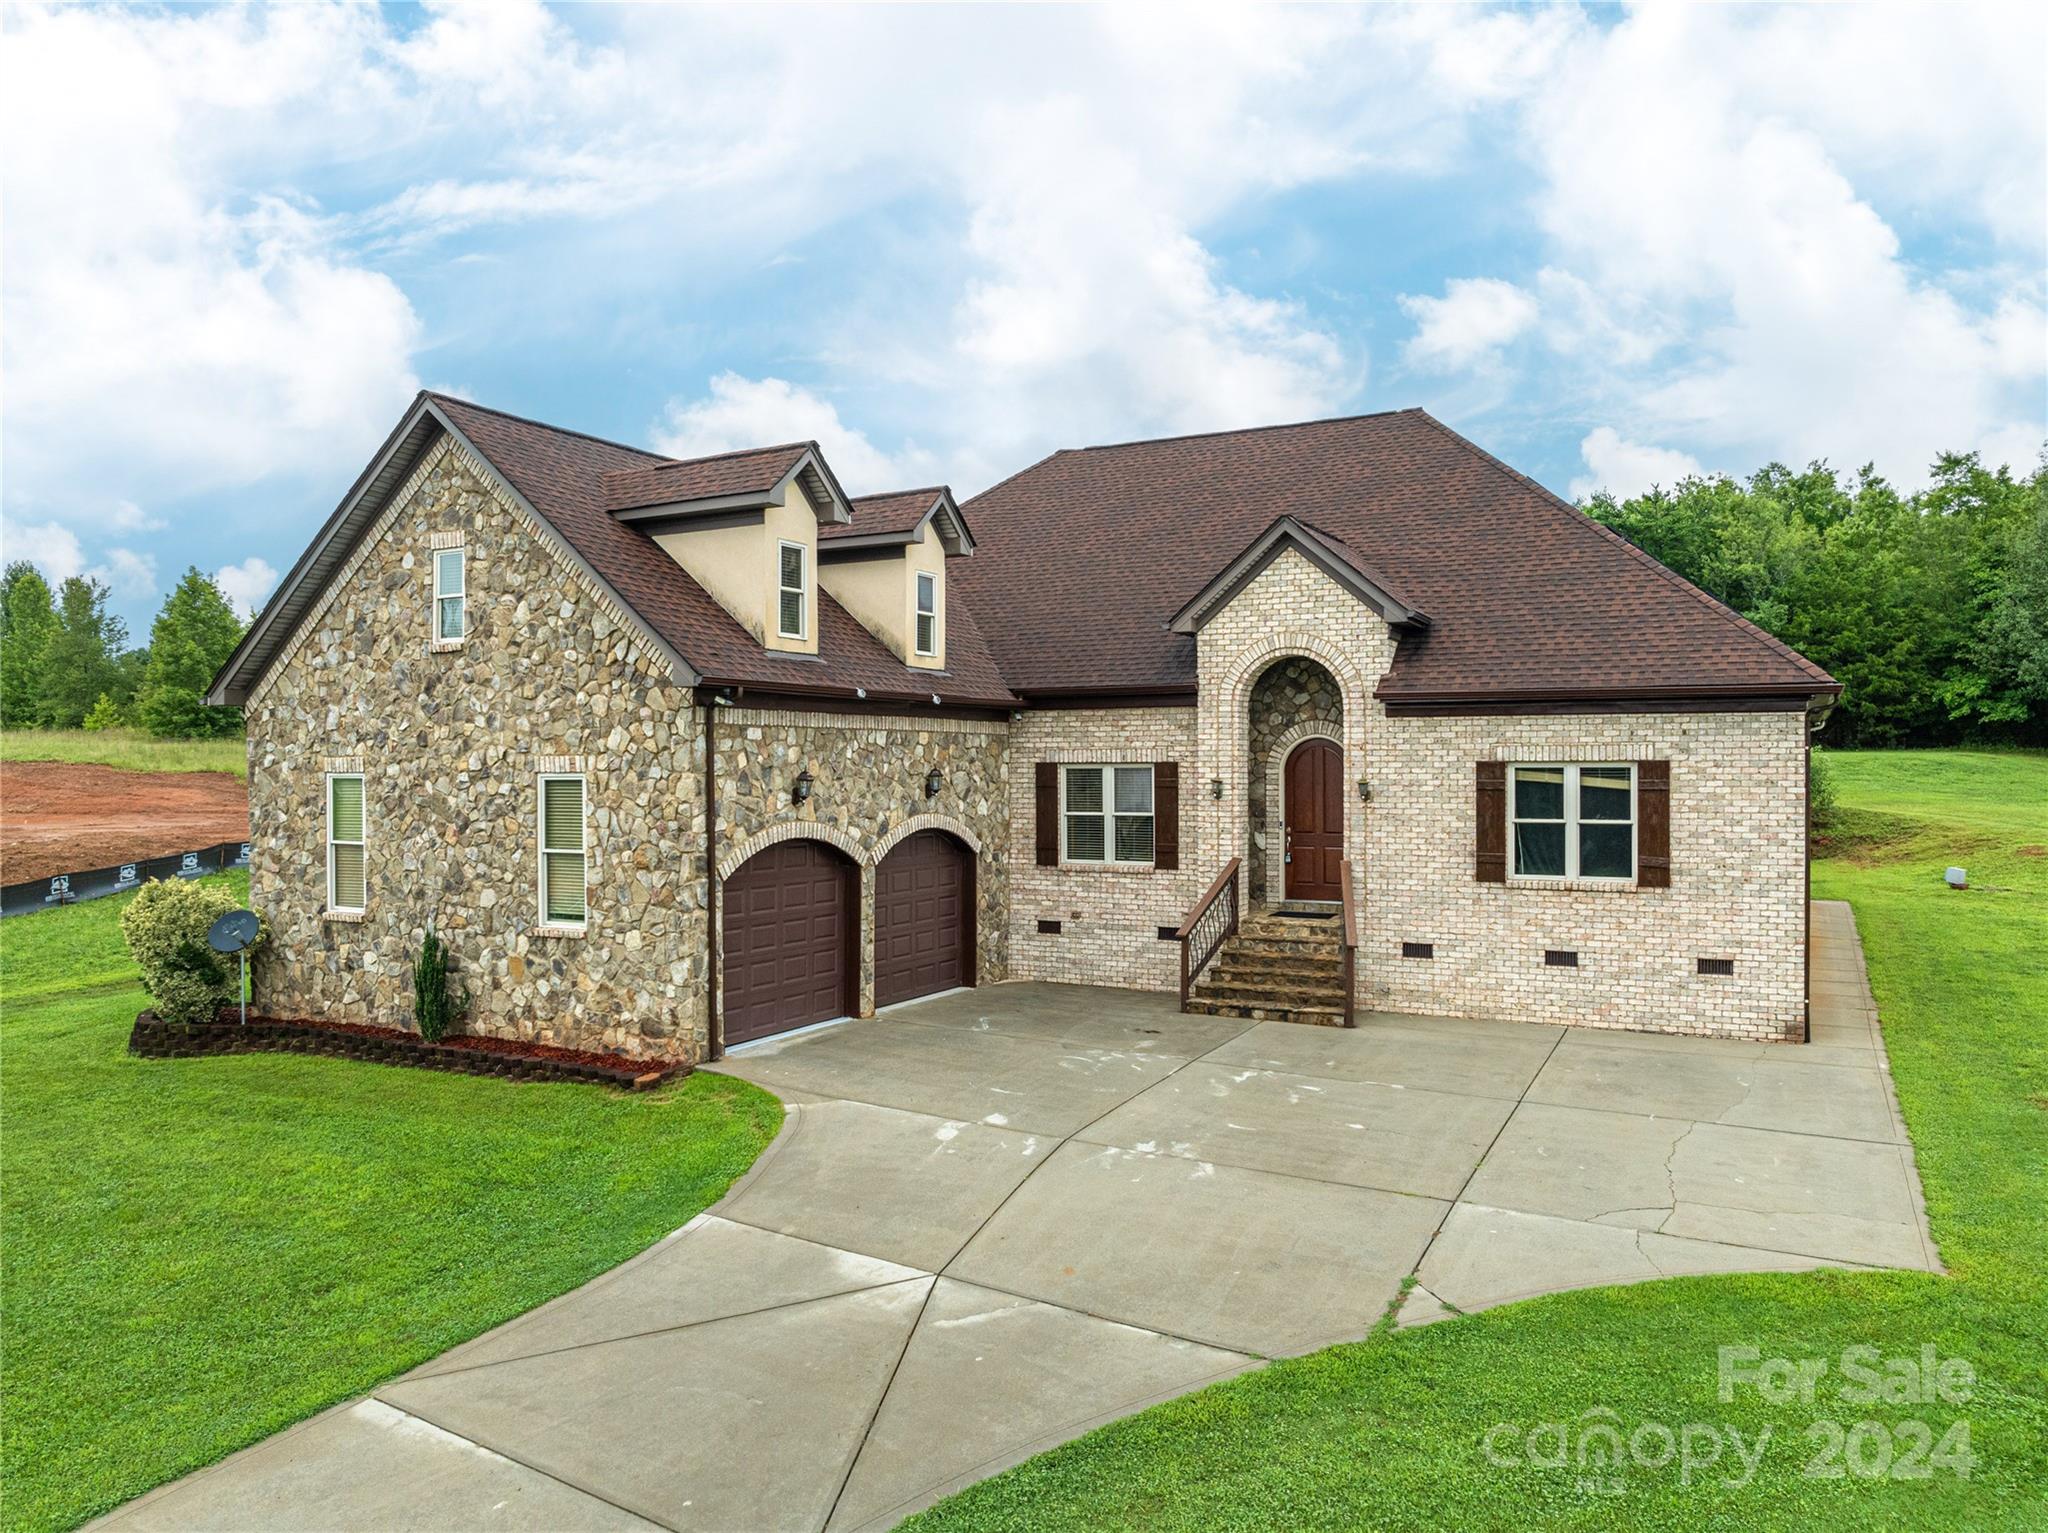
(56, 817)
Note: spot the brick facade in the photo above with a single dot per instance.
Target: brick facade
(1738, 883)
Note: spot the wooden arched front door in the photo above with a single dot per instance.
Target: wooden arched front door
(1315, 820)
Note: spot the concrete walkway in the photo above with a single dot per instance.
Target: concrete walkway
(999, 1218)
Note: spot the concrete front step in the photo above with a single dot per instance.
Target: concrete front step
(1314, 1016)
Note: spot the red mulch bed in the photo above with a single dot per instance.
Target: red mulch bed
(227, 1034)
(517, 1048)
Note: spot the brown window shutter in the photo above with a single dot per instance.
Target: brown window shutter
(1166, 815)
(1490, 852)
(1048, 814)
(1653, 825)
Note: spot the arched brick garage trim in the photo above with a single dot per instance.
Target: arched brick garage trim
(791, 929)
(792, 830)
(924, 925)
(957, 829)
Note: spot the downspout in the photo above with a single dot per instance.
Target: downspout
(1806, 845)
(713, 1039)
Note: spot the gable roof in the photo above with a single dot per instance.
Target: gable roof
(900, 517)
(1331, 555)
(728, 481)
(1088, 556)
(562, 478)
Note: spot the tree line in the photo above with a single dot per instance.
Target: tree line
(1931, 609)
(65, 661)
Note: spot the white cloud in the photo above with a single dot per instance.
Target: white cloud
(1624, 468)
(1469, 325)
(245, 585)
(50, 546)
(126, 573)
(1725, 216)
(167, 332)
(758, 412)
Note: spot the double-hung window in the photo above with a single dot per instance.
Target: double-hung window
(1107, 814)
(927, 613)
(347, 876)
(451, 594)
(1574, 821)
(792, 595)
(564, 876)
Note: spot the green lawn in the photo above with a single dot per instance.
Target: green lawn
(1389, 1432)
(194, 1253)
(129, 749)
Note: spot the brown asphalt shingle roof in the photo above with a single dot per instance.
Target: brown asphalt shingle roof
(898, 511)
(1083, 558)
(562, 475)
(755, 471)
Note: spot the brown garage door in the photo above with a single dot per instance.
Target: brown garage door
(789, 924)
(924, 918)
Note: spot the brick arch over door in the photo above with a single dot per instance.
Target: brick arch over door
(792, 830)
(957, 829)
(789, 935)
(1227, 715)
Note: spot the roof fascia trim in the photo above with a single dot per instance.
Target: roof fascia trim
(683, 672)
(228, 687)
(817, 475)
(1286, 532)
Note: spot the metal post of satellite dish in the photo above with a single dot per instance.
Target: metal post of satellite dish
(244, 956)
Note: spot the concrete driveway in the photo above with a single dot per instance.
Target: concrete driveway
(998, 1218)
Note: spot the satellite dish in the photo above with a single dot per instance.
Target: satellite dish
(232, 932)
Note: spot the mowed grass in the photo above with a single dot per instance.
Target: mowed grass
(1391, 1432)
(129, 750)
(194, 1253)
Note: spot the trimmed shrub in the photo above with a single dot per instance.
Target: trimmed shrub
(1822, 808)
(165, 927)
(435, 1007)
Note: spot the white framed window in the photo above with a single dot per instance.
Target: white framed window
(1106, 814)
(1573, 821)
(564, 852)
(927, 613)
(347, 843)
(792, 592)
(451, 595)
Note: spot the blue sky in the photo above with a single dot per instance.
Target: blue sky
(1615, 247)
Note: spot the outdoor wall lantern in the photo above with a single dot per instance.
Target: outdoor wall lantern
(932, 783)
(1215, 787)
(803, 784)
(1364, 791)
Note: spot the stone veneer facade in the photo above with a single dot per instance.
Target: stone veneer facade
(868, 794)
(554, 676)
(451, 740)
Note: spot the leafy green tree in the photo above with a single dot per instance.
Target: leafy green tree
(191, 638)
(1930, 609)
(80, 661)
(104, 715)
(27, 619)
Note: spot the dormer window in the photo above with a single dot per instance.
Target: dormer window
(792, 615)
(927, 613)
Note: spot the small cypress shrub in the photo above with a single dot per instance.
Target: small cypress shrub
(437, 1003)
